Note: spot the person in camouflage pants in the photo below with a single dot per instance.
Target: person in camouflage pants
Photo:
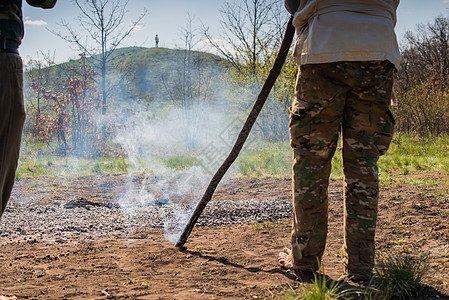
(351, 98)
(347, 53)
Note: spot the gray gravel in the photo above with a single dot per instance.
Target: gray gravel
(81, 220)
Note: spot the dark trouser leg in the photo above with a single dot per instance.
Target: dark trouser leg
(12, 118)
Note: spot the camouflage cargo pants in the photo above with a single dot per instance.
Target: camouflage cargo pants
(351, 98)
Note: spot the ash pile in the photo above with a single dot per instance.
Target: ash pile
(81, 220)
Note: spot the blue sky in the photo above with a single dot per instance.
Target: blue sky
(167, 18)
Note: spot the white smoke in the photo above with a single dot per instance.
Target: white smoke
(148, 141)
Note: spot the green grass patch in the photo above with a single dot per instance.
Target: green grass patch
(319, 289)
(31, 165)
(105, 165)
(399, 276)
(337, 165)
(180, 162)
(68, 166)
(407, 155)
(413, 155)
(266, 160)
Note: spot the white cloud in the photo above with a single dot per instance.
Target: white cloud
(28, 21)
(138, 28)
(33, 62)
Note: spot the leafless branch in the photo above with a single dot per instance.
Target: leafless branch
(102, 22)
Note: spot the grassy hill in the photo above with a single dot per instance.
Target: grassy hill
(147, 72)
(138, 72)
(62, 110)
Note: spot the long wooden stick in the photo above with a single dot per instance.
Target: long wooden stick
(243, 135)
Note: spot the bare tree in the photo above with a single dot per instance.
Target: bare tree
(423, 85)
(37, 71)
(102, 22)
(189, 88)
(249, 31)
(426, 52)
(252, 33)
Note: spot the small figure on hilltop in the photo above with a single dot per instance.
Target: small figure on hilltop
(347, 53)
(156, 40)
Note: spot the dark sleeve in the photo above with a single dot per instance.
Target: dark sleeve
(291, 5)
(42, 3)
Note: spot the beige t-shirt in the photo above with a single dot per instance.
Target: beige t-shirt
(348, 30)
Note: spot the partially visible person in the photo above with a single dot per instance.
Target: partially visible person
(12, 109)
(156, 41)
(347, 53)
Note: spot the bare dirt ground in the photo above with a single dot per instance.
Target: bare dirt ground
(222, 262)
